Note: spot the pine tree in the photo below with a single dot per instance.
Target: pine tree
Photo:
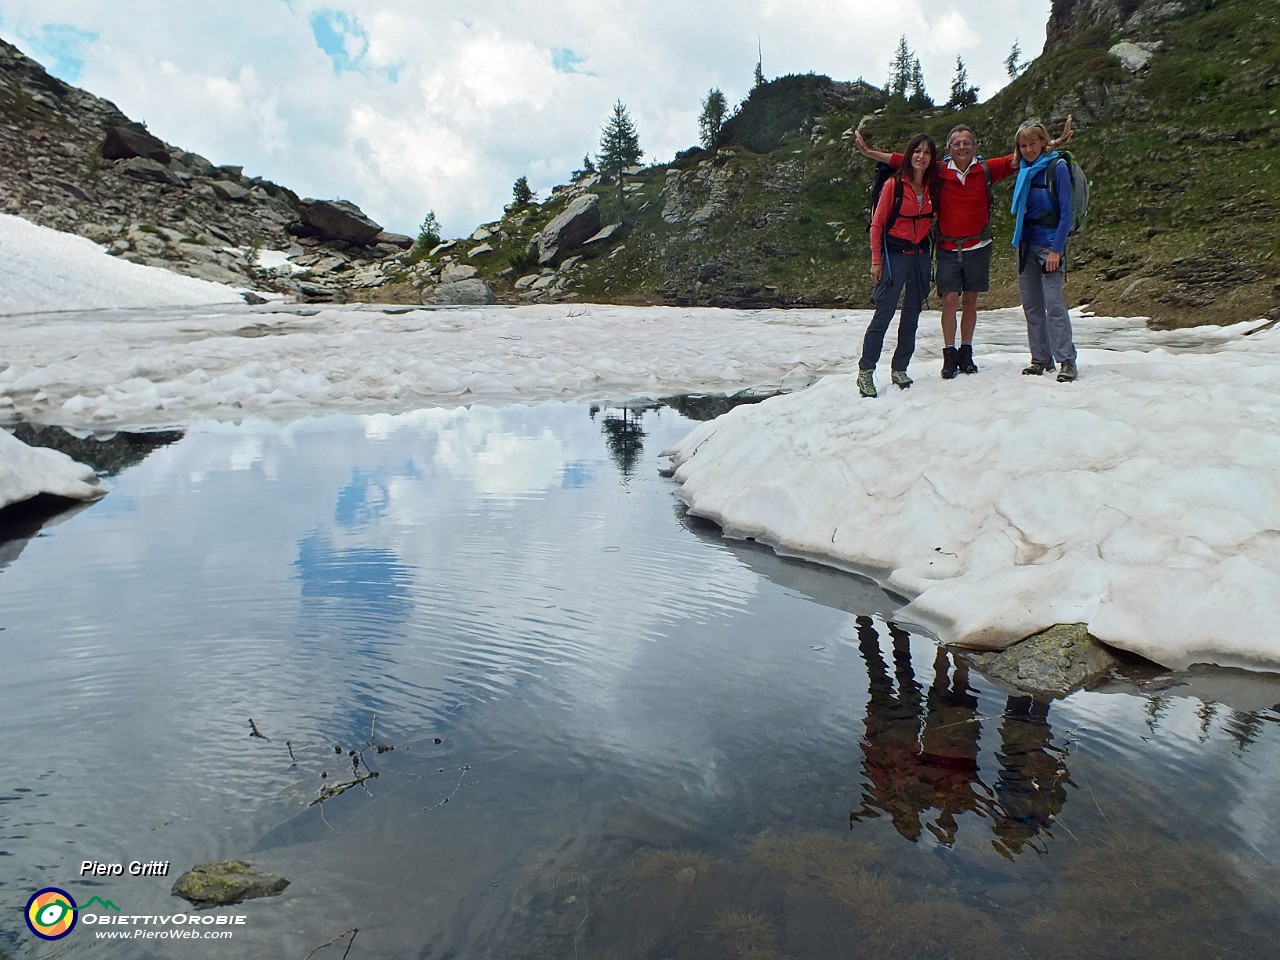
(759, 74)
(619, 146)
(1012, 63)
(428, 237)
(521, 193)
(900, 69)
(919, 99)
(962, 94)
(711, 120)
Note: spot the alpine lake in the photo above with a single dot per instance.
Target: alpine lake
(479, 687)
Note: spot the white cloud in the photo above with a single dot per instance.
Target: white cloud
(442, 107)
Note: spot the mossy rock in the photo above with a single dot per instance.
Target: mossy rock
(1049, 664)
(221, 883)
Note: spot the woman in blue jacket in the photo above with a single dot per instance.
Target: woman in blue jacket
(1042, 220)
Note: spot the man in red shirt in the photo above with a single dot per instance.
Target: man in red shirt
(964, 228)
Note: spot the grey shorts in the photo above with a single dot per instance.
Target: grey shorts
(968, 274)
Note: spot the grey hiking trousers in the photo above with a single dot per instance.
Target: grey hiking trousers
(1048, 322)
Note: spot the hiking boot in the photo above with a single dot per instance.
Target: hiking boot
(950, 363)
(966, 359)
(1037, 368)
(1066, 372)
(900, 379)
(867, 383)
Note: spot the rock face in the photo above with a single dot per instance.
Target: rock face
(74, 162)
(225, 882)
(571, 229)
(1068, 18)
(1049, 664)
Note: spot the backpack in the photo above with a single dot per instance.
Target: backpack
(885, 173)
(1079, 193)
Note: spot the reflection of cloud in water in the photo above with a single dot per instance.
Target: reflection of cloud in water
(474, 445)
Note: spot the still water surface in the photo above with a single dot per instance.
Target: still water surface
(615, 733)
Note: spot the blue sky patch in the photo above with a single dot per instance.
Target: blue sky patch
(567, 61)
(340, 36)
(60, 49)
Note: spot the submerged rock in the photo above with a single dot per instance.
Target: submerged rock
(218, 884)
(1049, 664)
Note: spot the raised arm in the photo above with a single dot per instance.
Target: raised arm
(867, 151)
(1067, 131)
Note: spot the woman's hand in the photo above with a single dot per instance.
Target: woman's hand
(1052, 261)
(1067, 130)
(877, 270)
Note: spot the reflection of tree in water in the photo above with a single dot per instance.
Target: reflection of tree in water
(624, 433)
(920, 751)
(108, 456)
(1244, 728)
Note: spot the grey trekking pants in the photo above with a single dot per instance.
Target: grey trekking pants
(1048, 322)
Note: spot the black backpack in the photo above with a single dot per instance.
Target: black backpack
(885, 173)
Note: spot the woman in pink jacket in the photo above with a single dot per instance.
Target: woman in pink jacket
(901, 260)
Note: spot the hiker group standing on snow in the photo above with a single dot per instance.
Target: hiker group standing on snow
(962, 199)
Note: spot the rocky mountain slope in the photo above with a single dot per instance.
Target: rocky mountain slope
(1175, 103)
(74, 162)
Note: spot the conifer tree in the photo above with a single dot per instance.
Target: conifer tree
(962, 93)
(1013, 64)
(521, 193)
(919, 99)
(619, 146)
(900, 69)
(711, 120)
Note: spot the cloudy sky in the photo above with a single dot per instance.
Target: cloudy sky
(405, 106)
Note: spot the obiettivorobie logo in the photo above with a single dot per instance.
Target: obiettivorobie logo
(51, 912)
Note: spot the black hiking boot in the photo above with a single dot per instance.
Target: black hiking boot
(1067, 371)
(950, 363)
(1036, 368)
(966, 359)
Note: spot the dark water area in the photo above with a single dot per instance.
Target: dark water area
(599, 729)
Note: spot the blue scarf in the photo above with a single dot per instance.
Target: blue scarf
(1022, 189)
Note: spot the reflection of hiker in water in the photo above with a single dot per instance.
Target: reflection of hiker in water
(919, 753)
(950, 740)
(1031, 788)
(891, 747)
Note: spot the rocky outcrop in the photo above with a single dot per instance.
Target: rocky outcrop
(1070, 18)
(334, 220)
(579, 221)
(127, 140)
(74, 162)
